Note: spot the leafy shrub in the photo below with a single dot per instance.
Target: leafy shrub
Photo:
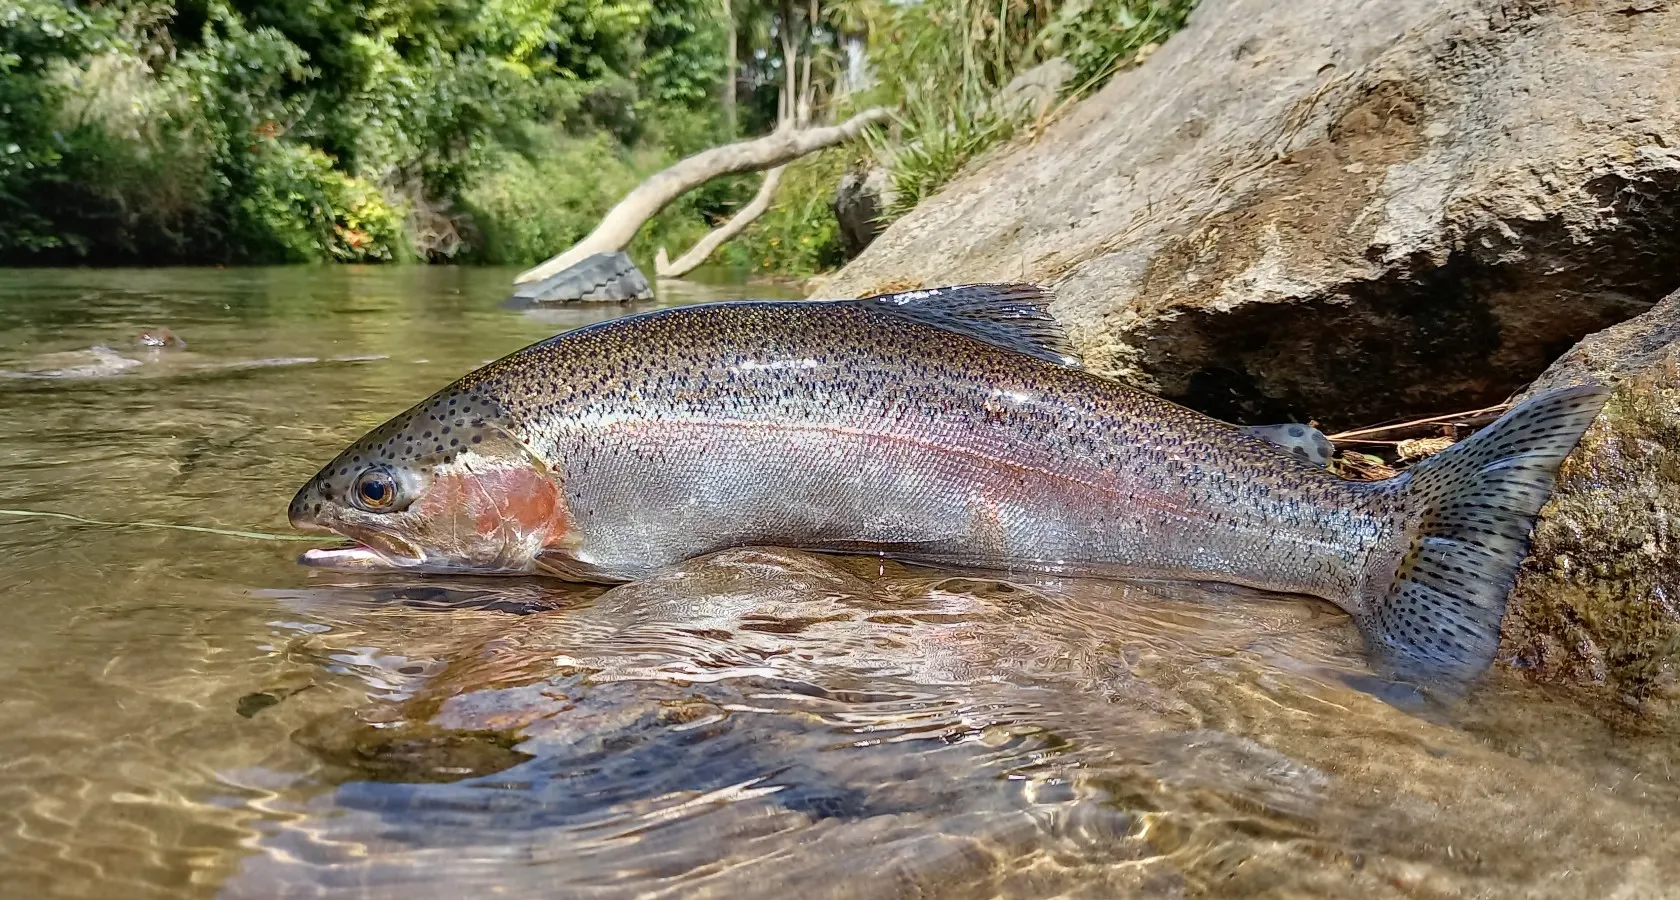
(533, 204)
(298, 208)
(278, 130)
(946, 60)
(34, 36)
(935, 144)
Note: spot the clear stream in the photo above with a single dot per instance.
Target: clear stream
(194, 715)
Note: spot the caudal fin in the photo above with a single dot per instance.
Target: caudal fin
(1468, 514)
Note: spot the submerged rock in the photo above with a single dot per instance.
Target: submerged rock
(1353, 211)
(159, 338)
(603, 277)
(1598, 602)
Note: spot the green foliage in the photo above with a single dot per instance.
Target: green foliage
(946, 61)
(280, 130)
(683, 61)
(291, 130)
(798, 235)
(935, 143)
(297, 208)
(528, 204)
(1100, 36)
(555, 192)
(34, 36)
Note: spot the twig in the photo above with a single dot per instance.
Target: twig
(1432, 420)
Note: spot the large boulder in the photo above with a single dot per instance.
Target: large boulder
(1344, 209)
(1598, 602)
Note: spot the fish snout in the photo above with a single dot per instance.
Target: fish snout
(305, 511)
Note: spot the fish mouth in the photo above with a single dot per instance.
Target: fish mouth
(388, 553)
(349, 557)
(372, 553)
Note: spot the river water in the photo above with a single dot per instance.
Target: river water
(186, 714)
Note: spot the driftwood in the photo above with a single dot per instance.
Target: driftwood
(665, 268)
(648, 198)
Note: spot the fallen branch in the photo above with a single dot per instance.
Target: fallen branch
(648, 198)
(688, 262)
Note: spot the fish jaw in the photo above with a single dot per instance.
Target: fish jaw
(347, 558)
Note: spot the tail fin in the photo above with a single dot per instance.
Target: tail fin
(1468, 513)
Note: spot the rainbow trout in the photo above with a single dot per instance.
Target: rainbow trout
(944, 427)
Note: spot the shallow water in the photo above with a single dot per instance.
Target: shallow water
(193, 715)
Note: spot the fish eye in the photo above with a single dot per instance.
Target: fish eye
(376, 489)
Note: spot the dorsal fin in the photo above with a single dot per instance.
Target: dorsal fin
(1013, 316)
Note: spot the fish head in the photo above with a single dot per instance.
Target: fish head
(447, 486)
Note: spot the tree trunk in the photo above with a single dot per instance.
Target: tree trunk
(802, 111)
(648, 198)
(706, 246)
(731, 69)
(790, 64)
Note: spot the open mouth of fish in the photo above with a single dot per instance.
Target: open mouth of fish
(376, 553)
(349, 556)
(389, 553)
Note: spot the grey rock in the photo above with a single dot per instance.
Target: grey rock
(1617, 353)
(603, 277)
(859, 202)
(1349, 210)
(1595, 604)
